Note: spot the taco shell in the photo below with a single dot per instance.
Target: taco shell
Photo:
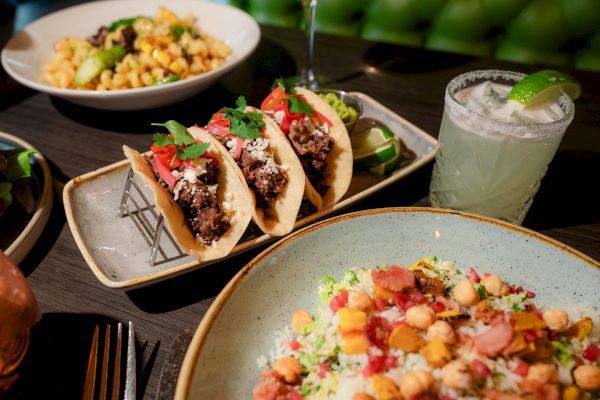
(339, 163)
(231, 192)
(281, 217)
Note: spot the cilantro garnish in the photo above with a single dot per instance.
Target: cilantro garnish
(295, 103)
(246, 125)
(185, 144)
(180, 134)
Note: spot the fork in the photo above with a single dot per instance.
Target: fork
(89, 389)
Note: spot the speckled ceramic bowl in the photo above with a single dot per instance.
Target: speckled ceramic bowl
(239, 326)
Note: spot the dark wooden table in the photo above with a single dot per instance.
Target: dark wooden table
(77, 140)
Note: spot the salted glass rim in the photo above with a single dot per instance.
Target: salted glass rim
(462, 81)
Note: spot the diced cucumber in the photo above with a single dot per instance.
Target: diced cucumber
(168, 79)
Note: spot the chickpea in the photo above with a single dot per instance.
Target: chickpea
(420, 317)
(443, 330)
(361, 301)
(494, 285)
(457, 375)
(416, 383)
(465, 293)
(587, 377)
(289, 368)
(300, 318)
(557, 320)
(362, 396)
(542, 374)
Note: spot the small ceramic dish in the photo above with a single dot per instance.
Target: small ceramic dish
(22, 224)
(27, 51)
(240, 324)
(351, 101)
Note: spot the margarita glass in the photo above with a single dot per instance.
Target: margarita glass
(494, 151)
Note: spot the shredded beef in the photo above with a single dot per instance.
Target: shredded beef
(266, 184)
(202, 212)
(312, 147)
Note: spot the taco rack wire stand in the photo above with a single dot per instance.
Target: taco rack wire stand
(148, 221)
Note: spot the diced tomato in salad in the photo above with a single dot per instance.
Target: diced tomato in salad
(339, 301)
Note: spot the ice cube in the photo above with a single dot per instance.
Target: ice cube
(516, 116)
(494, 96)
(477, 106)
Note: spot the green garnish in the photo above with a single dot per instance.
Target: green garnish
(178, 30)
(121, 22)
(326, 285)
(562, 354)
(186, 146)
(481, 290)
(294, 102)
(319, 342)
(17, 164)
(497, 377)
(245, 125)
(350, 277)
(5, 192)
(169, 79)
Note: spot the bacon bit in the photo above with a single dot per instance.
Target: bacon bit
(394, 278)
(521, 369)
(295, 345)
(323, 369)
(480, 368)
(591, 353)
(437, 306)
(339, 301)
(494, 340)
(553, 335)
(529, 336)
(380, 303)
(530, 295)
(473, 275)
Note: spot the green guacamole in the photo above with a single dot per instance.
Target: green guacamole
(347, 114)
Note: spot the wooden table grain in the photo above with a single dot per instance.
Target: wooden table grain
(76, 140)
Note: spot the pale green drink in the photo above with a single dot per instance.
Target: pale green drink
(493, 152)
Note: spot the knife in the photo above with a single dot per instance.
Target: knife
(171, 366)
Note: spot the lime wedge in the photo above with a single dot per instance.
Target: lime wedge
(544, 87)
(370, 157)
(371, 138)
(386, 167)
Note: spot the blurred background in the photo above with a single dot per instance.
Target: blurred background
(561, 33)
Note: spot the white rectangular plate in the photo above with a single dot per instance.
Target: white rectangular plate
(118, 254)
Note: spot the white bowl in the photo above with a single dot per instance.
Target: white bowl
(28, 50)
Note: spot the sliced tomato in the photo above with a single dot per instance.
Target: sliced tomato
(164, 171)
(239, 146)
(322, 118)
(165, 155)
(273, 99)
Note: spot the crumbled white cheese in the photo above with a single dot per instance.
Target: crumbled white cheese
(212, 188)
(278, 116)
(258, 148)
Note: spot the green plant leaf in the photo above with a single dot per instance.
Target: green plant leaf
(193, 151)
(18, 165)
(180, 134)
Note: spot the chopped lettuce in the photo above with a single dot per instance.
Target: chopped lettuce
(563, 355)
(326, 287)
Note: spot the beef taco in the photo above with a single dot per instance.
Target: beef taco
(204, 203)
(263, 157)
(319, 139)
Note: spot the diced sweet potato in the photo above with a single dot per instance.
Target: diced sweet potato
(351, 320)
(383, 293)
(524, 321)
(354, 343)
(436, 353)
(581, 329)
(385, 388)
(405, 338)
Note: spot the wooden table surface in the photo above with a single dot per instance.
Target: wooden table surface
(76, 140)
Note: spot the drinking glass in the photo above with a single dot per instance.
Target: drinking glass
(307, 77)
(493, 166)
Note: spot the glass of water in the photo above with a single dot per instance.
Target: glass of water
(493, 151)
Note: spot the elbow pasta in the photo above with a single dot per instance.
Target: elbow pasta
(163, 46)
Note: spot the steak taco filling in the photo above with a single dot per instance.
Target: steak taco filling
(307, 130)
(183, 168)
(242, 134)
